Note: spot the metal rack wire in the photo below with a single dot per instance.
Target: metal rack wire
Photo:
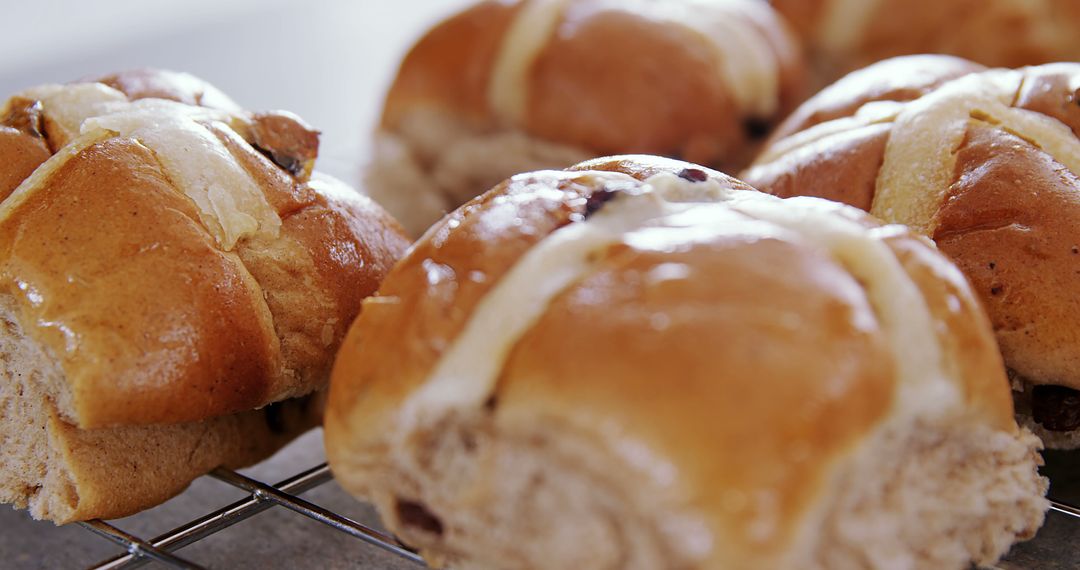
(262, 497)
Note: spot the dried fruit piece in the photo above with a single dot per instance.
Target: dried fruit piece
(287, 140)
(25, 115)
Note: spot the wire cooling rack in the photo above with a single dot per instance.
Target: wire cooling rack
(263, 497)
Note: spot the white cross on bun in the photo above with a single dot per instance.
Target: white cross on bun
(168, 264)
(512, 86)
(986, 163)
(641, 363)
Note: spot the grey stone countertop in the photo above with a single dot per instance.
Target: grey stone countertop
(278, 538)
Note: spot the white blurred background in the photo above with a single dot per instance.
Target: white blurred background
(329, 61)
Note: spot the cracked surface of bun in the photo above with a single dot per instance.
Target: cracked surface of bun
(507, 87)
(642, 363)
(985, 162)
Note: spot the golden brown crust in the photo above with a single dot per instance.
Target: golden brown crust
(280, 188)
(117, 472)
(457, 262)
(1019, 249)
(584, 87)
(460, 260)
(996, 33)
(844, 169)
(1052, 91)
(22, 143)
(589, 94)
(466, 239)
(366, 243)
(341, 243)
(965, 333)
(152, 318)
(1006, 218)
(714, 374)
(130, 277)
(804, 16)
(722, 339)
(899, 79)
(22, 153)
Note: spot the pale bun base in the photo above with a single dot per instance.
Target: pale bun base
(434, 163)
(917, 496)
(63, 473)
(945, 496)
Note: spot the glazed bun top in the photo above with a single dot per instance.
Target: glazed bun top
(844, 35)
(681, 318)
(899, 79)
(173, 252)
(985, 162)
(684, 78)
